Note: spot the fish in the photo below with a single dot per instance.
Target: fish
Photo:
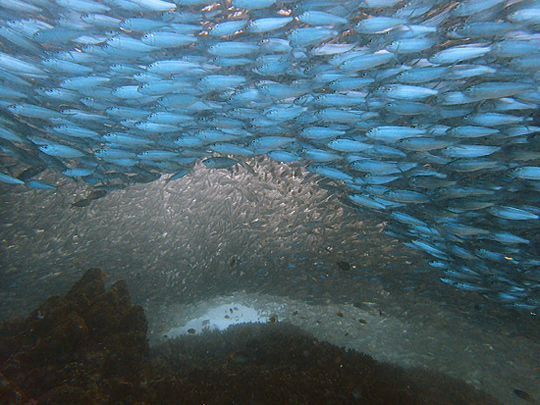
(365, 62)
(18, 66)
(165, 39)
(61, 151)
(348, 145)
(512, 213)
(78, 172)
(219, 162)
(5, 178)
(253, 5)
(230, 149)
(40, 185)
(262, 25)
(366, 201)
(527, 173)
(156, 155)
(153, 5)
(406, 92)
(284, 156)
(378, 25)
(33, 111)
(423, 113)
(270, 142)
(329, 172)
(232, 49)
(305, 36)
(457, 54)
(393, 133)
(470, 151)
(84, 202)
(313, 17)
(523, 395)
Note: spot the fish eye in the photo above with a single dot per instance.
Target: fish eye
(370, 41)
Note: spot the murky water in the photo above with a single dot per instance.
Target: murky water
(276, 239)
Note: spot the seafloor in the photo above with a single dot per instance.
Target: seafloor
(90, 347)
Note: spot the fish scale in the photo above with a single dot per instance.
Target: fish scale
(421, 97)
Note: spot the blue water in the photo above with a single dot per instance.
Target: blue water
(326, 152)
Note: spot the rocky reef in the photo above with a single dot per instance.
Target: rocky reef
(90, 347)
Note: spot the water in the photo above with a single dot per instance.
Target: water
(365, 170)
(193, 252)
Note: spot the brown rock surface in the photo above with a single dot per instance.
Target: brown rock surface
(84, 345)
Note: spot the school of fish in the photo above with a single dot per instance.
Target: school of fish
(423, 112)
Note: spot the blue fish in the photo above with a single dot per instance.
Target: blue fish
(4, 178)
(422, 112)
(61, 151)
(219, 162)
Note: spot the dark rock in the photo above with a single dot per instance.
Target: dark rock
(107, 311)
(278, 363)
(10, 393)
(86, 290)
(66, 395)
(85, 347)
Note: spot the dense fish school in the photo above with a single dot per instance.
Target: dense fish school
(423, 112)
